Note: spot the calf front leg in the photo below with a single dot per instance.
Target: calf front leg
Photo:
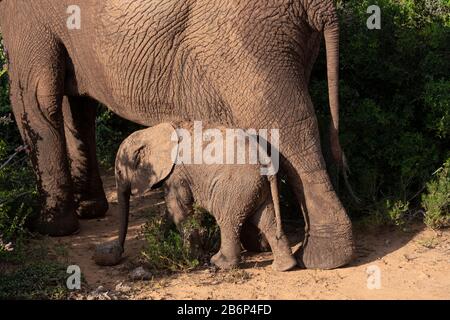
(229, 255)
(180, 203)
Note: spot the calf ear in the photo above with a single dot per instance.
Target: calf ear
(154, 156)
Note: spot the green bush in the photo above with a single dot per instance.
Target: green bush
(18, 200)
(437, 199)
(395, 97)
(437, 107)
(111, 131)
(169, 249)
(40, 280)
(18, 196)
(165, 248)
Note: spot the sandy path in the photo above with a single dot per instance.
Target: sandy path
(414, 265)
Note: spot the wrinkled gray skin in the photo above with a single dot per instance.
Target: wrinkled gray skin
(232, 193)
(241, 63)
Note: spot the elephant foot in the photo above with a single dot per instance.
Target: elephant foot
(57, 225)
(109, 254)
(326, 248)
(92, 209)
(223, 262)
(284, 263)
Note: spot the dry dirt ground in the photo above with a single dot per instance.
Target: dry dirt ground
(411, 265)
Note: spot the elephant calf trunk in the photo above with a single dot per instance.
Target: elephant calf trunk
(110, 254)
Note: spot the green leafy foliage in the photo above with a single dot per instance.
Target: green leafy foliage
(437, 199)
(165, 249)
(437, 107)
(168, 248)
(18, 196)
(35, 271)
(204, 225)
(39, 280)
(111, 131)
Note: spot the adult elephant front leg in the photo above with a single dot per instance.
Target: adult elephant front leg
(79, 124)
(37, 107)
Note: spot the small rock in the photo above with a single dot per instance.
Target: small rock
(99, 290)
(108, 254)
(140, 274)
(122, 288)
(409, 258)
(100, 294)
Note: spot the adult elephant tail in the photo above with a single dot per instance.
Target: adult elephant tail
(331, 33)
(321, 15)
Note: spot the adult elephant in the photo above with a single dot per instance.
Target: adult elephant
(243, 63)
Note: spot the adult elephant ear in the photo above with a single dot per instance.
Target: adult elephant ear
(153, 155)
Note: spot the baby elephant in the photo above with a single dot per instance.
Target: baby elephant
(232, 193)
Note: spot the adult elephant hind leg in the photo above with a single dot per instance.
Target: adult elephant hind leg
(265, 221)
(329, 239)
(288, 107)
(37, 108)
(79, 124)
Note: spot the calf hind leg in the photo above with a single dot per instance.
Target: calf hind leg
(265, 220)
